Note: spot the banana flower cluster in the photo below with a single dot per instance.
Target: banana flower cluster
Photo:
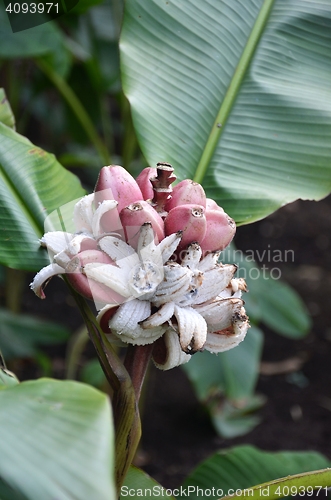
(147, 254)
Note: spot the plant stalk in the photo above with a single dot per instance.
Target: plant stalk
(136, 362)
(77, 107)
(125, 406)
(75, 349)
(15, 282)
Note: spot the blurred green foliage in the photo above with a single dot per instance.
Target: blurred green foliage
(62, 79)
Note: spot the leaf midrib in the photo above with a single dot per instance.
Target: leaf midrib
(232, 91)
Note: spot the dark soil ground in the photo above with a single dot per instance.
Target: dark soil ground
(177, 433)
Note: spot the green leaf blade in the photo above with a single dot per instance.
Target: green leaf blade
(233, 373)
(6, 113)
(283, 310)
(181, 46)
(57, 441)
(32, 185)
(277, 135)
(21, 334)
(243, 467)
(269, 300)
(138, 484)
(180, 60)
(43, 39)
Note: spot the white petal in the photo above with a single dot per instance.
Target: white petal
(227, 293)
(45, 274)
(155, 334)
(234, 289)
(214, 282)
(220, 312)
(121, 253)
(62, 259)
(220, 342)
(110, 336)
(192, 329)
(200, 333)
(83, 213)
(111, 276)
(56, 241)
(139, 278)
(103, 311)
(151, 253)
(240, 322)
(188, 298)
(103, 207)
(115, 340)
(238, 284)
(146, 238)
(169, 244)
(144, 279)
(125, 320)
(192, 256)
(160, 317)
(76, 243)
(209, 262)
(186, 326)
(168, 353)
(125, 323)
(176, 283)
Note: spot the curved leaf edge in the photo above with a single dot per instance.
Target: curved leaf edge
(316, 479)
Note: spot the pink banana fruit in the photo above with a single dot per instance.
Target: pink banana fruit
(220, 231)
(187, 218)
(88, 287)
(144, 183)
(212, 205)
(115, 183)
(187, 192)
(134, 216)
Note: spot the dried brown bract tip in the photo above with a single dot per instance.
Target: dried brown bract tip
(162, 186)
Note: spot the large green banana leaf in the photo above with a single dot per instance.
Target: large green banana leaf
(235, 470)
(32, 185)
(235, 94)
(56, 441)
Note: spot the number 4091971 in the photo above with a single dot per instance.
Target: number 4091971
(33, 8)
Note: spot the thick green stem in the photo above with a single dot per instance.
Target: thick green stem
(233, 90)
(77, 107)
